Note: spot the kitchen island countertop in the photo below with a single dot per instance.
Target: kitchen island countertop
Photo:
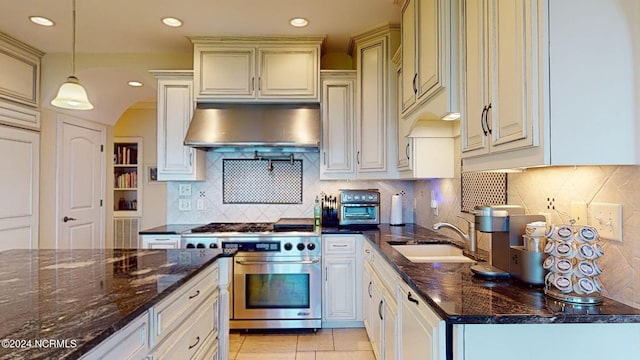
(59, 304)
(461, 298)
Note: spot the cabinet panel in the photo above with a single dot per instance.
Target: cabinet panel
(429, 37)
(129, 343)
(160, 241)
(20, 64)
(288, 73)
(340, 280)
(226, 72)
(409, 73)
(338, 125)
(419, 325)
(372, 120)
(19, 186)
(175, 109)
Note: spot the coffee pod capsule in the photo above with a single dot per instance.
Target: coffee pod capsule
(549, 246)
(564, 249)
(587, 234)
(584, 286)
(597, 270)
(549, 278)
(563, 266)
(598, 249)
(563, 283)
(548, 263)
(536, 229)
(585, 252)
(584, 269)
(597, 284)
(563, 233)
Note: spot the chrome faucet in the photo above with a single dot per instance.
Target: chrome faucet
(470, 237)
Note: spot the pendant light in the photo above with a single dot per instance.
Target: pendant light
(71, 94)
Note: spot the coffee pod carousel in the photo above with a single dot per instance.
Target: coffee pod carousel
(571, 263)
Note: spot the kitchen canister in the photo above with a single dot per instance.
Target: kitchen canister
(396, 210)
(572, 264)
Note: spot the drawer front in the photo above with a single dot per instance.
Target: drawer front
(339, 245)
(160, 241)
(129, 343)
(170, 312)
(195, 332)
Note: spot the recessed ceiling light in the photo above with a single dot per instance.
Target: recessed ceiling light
(172, 22)
(299, 22)
(40, 20)
(134, 83)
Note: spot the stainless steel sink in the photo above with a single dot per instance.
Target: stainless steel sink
(429, 253)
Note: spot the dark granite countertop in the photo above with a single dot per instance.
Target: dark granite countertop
(171, 229)
(79, 298)
(461, 298)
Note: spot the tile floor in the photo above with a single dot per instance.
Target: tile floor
(326, 344)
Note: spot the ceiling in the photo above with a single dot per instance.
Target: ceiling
(134, 26)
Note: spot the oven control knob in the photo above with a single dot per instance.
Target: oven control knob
(300, 246)
(213, 246)
(190, 246)
(288, 246)
(311, 246)
(200, 246)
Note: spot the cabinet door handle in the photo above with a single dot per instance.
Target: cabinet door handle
(484, 111)
(358, 157)
(191, 158)
(259, 83)
(324, 158)
(368, 251)
(253, 83)
(369, 289)
(326, 276)
(339, 245)
(380, 310)
(195, 344)
(486, 119)
(415, 88)
(412, 299)
(194, 295)
(406, 151)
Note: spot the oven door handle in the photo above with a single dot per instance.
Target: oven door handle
(304, 262)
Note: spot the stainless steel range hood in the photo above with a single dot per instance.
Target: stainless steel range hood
(248, 127)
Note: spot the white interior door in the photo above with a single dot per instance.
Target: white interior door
(19, 186)
(81, 185)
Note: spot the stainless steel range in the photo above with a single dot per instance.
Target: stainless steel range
(277, 271)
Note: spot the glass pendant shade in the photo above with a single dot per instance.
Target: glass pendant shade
(72, 95)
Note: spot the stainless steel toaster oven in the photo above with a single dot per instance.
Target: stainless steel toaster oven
(359, 207)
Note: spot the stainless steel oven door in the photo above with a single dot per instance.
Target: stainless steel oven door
(275, 287)
(359, 214)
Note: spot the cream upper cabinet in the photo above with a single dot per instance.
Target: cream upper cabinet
(499, 83)
(175, 108)
(20, 64)
(338, 124)
(257, 69)
(429, 59)
(376, 108)
(549, 83)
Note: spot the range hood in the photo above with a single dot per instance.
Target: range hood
(248, 127)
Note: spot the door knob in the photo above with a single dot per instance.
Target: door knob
(66, 218)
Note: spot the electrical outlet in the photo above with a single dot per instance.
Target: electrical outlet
(184, 204)
(200, 204)
(579, 213)
(607, 219)
(185, 190)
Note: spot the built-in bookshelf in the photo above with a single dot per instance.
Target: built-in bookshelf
(127, 176)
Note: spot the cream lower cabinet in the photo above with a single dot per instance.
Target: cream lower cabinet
(535, 82)
(191, 323)
(176, 162)
(159, 241)
(260, 69)
(342, 293)
(422, 332)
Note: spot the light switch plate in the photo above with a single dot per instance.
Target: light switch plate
(185, 190)
(607, 219)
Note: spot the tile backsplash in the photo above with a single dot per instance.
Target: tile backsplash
(211, 193)
(588, 184)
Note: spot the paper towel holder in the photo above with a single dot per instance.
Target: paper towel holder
(396, 210)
